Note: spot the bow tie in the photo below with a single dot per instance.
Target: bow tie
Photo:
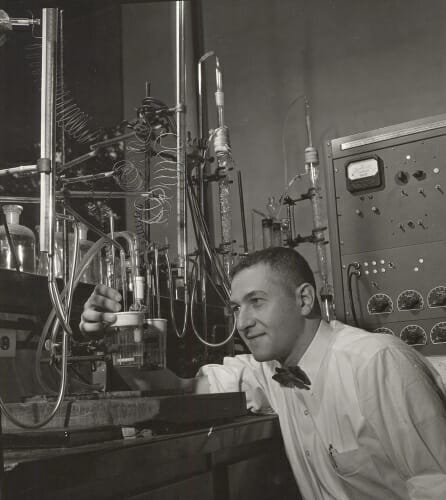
(292, 376)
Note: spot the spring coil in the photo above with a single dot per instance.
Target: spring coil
(127, 176)
(69, 116)
(71, 119)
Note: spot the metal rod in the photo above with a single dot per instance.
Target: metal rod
(74, 194)
(47, 127)
(181, 139)
(201, 264)
(242, 211)
(22, 169)
(88, 178)
(113, 140)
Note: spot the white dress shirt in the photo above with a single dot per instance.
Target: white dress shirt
(373, 425)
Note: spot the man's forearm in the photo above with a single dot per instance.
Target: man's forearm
(196, 385)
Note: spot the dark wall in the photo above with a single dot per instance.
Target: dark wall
(362, 65)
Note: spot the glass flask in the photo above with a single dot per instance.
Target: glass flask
(23, 239)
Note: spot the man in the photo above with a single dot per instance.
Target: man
(364, 415)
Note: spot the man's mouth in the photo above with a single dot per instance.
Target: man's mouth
(253, 336)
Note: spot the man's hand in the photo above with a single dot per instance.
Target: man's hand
(99, 310)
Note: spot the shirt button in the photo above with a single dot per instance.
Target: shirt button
(307, 452)
(306, 412)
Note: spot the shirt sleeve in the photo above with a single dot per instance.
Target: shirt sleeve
(239, 374)
(405, 403)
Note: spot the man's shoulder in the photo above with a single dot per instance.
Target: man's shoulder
(362, 343)
(248, 360)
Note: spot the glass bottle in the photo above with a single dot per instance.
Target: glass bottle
(273, 207)
(23, 239)
(92, 274)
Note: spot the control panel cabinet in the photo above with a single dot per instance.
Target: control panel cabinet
(386, 191)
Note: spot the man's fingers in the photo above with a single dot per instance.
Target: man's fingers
(107, 292)
(92, 316)
(102, 303)
(99, 310)
(95, 321)
(91, 327)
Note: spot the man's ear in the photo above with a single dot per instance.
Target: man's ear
(305, 298)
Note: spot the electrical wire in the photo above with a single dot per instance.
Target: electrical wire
(353, 270)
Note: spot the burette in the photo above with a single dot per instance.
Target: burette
(312, 167)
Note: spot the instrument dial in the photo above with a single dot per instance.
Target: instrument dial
(383, 329)
(438, 333)
(380, 303)
(413, 335)
(437, 297)
(410, 300)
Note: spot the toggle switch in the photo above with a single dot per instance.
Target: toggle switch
(375, 210)
(421, 191)
(402, 177)
(439, 188)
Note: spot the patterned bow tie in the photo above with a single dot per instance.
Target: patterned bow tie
(292, 376)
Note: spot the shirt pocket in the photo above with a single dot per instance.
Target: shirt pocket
(349, 462)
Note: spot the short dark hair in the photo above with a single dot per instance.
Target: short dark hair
(290, 264)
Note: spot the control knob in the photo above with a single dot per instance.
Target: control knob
(419, 175)
(402, 177)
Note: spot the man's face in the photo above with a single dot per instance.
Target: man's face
(267, 313)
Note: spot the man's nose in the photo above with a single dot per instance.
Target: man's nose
(244, 320)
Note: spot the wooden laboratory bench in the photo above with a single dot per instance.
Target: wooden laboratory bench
(240, 460)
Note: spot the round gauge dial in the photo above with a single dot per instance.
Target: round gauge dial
(383, 329)
(413, 335)
(437, 297)
(410, 300)
(380, 303)
(438, 333)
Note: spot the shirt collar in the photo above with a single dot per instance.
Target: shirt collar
(312, 359)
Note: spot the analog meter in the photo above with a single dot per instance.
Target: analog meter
(364, 174)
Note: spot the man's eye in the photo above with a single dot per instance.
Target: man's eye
(235, 309)
(256, 301)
